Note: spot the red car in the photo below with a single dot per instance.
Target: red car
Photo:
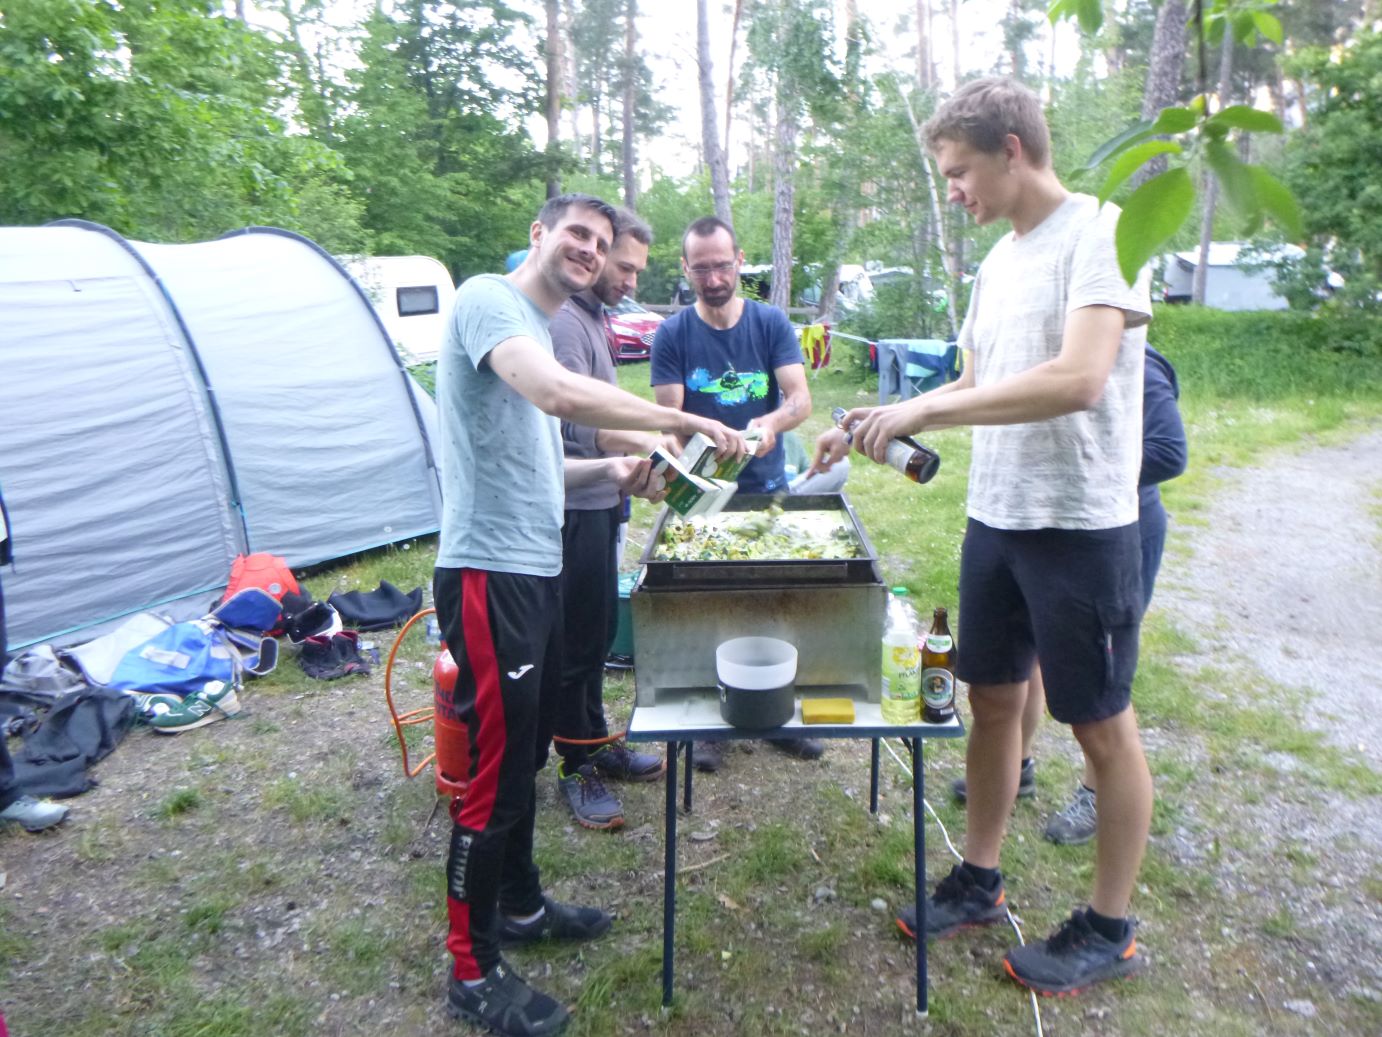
(631, 328)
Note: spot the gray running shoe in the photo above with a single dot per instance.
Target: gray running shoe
(708, 756)
(616, 760)
(557, 922)
(1075, 823)
(34, 815)
(958, 903)
(1073, 959)
(593, 805)
(505, 1005)
(1026, 783)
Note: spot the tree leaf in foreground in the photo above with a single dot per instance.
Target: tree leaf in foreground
(1153, 213)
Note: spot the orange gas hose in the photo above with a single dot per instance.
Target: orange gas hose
(426, 713)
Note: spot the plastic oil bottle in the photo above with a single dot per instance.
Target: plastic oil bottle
(901, 661)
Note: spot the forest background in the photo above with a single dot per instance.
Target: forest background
(408, 126)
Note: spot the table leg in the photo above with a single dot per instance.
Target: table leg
(669, 872)
(690, 762)
(873, 777)
(919, 847)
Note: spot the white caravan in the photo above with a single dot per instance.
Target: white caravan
(412, 295)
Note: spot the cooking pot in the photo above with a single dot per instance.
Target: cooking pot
(757, 681)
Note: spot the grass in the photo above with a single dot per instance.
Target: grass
(307, 896)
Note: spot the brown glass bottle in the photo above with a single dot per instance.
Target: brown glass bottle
(917, 462)
(938, 671)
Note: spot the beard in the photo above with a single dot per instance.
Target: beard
(570, 281)
(715, 296)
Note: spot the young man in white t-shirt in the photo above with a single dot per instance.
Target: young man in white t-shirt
(1051, 561)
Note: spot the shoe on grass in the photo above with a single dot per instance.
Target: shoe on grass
(557, 922)
(708, 756)
(592, 805)
(215, 701)
(616, 760)
(958, 903)
(1074, 823)
(801, 748)
(502, 1003)
(1073, 958)
(34, 815)
(1026, 783)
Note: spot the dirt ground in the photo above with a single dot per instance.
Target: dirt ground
(278, 873)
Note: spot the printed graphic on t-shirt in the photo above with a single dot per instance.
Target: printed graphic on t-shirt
(732, 388)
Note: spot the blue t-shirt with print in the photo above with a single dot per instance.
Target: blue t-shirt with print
(728, 375)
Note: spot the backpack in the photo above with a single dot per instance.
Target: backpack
(268, 572)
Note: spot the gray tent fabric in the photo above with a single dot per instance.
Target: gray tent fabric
(167, 407)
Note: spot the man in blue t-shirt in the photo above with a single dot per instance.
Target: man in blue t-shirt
(730, 358)
(739, 362)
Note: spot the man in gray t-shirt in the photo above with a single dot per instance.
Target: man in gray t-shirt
(1051, 561)
(500, 395)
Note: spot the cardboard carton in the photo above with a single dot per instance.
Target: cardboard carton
(689, 494)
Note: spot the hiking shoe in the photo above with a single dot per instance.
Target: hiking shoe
(1026, 783)
(592, 805)
(33, 814)
(801, 748)
(557, 922)
(958, 903)
(215, 701)
(1075, 823)
(1073, 958)
(616, 760)
(505, 1005)
(708, 756)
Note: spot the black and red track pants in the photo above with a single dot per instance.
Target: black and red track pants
(504, 631)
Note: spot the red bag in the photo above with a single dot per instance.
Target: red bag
(266, 571)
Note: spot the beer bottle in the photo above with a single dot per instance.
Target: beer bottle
(938, 671)
(914, 460)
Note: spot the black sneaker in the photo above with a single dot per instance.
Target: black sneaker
(592, 805)
(1073, 958)
(1026, 783)
(958, 903)
(708, 756)
(505, 1005)
(801, 748)
(616, 760)
(557, 922)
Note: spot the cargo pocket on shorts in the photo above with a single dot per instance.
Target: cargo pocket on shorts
(1119, 622)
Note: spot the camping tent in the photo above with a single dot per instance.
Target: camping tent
(167, 407)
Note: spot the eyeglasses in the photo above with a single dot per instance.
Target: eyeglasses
(702, 272)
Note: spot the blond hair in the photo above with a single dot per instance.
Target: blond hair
(983, 112)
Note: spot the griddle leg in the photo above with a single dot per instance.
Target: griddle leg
(686, 798)
(873, 777)
(919, 847)
(669, 872)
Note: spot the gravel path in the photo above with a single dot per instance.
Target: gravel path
(1284, 579)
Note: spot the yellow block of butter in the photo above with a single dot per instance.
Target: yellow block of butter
(827, 711)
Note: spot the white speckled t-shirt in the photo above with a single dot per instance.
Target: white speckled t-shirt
(1077, 471)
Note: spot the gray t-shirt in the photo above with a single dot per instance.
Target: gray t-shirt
(1077, 471)
(501, 462)
(580, 345)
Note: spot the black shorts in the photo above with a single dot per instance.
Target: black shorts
(1071, 597)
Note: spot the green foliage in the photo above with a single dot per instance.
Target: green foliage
(1334, 161)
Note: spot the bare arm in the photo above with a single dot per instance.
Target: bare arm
(633, 475)
(1073, 381)
(672, 395)
(794, 409)
(534, 374)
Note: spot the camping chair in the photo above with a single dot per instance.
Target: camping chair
(908, 367)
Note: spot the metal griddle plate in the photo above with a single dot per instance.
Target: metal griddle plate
(761, 572)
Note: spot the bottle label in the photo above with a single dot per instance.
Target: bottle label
(939, 643)
(937, 687)
(899, 453)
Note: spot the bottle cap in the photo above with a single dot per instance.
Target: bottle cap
(900, 591)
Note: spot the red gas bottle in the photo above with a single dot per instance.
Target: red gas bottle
(452, 767)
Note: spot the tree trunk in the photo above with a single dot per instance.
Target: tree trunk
(784, 198)
(1211, 190)
(630, 93)
(572, 87)
(955, 40)
(552, 49)
(729, 80)
(924, 77)
(1164, 66)
(710, 137)
(951, 258)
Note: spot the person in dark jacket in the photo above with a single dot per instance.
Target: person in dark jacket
(1164, 455)
(33, 814)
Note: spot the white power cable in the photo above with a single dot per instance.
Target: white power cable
(921, 947)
